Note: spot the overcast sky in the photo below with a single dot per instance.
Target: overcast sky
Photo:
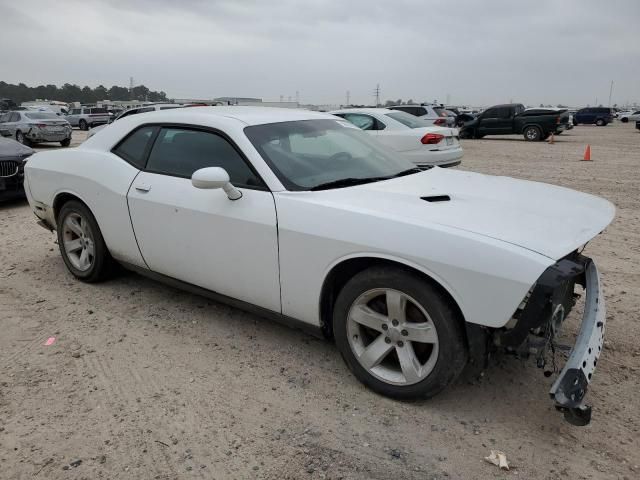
(473, 52)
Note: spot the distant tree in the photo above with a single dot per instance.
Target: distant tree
(410, 102)
(542, 105)
(73, 93)
(561, 106)
(389, 103)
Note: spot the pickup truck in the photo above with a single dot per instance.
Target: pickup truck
(534, 124)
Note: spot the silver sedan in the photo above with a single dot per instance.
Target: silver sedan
(29, 127)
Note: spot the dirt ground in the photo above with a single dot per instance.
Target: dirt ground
(144, 381)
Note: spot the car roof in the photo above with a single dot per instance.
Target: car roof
(246, 115)
(371, 111)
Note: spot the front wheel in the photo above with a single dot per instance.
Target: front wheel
(398, 334)
(600, 122)
(83, 125)
(532, 134)
(624, 120)
(81, 244)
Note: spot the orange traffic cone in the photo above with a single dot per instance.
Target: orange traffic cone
(551, 140)
(587, 154)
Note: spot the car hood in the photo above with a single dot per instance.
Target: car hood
(547, 219)
(9, 148)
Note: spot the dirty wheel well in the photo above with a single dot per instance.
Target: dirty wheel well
(343, 272)
(61, 199)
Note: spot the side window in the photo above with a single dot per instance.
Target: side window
(145, 109)
(491, 113)
(15, 117)
(363, 122)
(75, 111)
(180, 152)
(133, 148)
(418, 111)
(503, 112)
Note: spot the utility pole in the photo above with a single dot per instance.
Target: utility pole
(610, 92)
(376, 93)
(297, 97)
(130, 87)
(348, 98)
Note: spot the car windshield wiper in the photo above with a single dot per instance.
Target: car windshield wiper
(351, 181)
(410, 171)
(346, 182)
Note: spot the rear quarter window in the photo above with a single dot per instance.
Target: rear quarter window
(134, 148)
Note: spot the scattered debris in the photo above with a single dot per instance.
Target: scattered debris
(50, 341)
(499, 459)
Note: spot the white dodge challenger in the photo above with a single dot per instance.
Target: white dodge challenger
(300, 217)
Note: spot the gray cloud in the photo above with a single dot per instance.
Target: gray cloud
(475, 52)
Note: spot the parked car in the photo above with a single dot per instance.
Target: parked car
(12, 158)
(410, 136)
(29, 127)
(87, 117)
(411, 272)
(136, 111)
(629, 116)
(638, 124)
(7, 104)
(598, 115)
(535, 124)
(432, 114)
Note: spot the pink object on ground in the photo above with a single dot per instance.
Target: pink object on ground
(50, 341)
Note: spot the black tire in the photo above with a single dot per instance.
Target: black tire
(575, 122)
(102, 264)
(465, 134)
(21, 138)
(66, 142)
(477, 135)
(600, 122)
(451, 354)
(532, 134)
(82, 124)
(624, 120)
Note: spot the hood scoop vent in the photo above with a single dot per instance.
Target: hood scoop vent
(436, 198)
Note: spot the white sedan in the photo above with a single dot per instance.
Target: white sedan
(629, 116)
(296, 216)
(418, 140)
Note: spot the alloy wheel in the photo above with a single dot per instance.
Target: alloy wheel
(392, 336)
(78, 241)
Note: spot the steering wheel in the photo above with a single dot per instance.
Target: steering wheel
(341, 156)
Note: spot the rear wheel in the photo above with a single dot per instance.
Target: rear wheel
(600, 122)
(20, 138)
(83, 125)
(66, 142)
(532, 134)
(398, 334)
(81, 244)
(624, 119)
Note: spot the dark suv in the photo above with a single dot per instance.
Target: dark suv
(598, 115)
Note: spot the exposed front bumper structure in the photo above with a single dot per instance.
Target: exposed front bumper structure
(570, 387)
(540, 320)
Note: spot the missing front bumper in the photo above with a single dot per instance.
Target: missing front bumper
(570, 388)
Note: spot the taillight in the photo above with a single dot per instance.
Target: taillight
(439, 121)
(431, 139)
(41, 125)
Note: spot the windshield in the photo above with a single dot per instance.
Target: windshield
(408, 120)
(310, 153)
(41, 116)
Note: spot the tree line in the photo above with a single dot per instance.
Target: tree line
(73, 93)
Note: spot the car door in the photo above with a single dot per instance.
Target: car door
(489, 122)
(73, 117)
(201, 236)
(504, 121)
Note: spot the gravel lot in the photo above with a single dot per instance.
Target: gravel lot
(144, 381)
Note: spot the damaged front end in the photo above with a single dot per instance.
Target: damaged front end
(535, 326)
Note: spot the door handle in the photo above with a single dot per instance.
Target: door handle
(143, 187)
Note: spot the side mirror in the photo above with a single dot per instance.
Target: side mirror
(215, 177)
